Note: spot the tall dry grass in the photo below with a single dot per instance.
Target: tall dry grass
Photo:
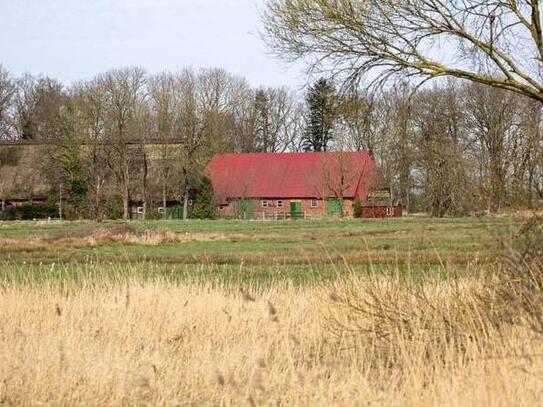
(390, 340)
(120, 234)
(356, 341)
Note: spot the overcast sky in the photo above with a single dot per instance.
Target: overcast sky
(76, 39)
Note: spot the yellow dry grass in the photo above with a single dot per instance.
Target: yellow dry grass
(104, 237)
(157, 343)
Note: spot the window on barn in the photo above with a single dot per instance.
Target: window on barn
(390, 211)
(161, 209)
(139, 210)
(264, 203)
(279, 204)
(314, 203)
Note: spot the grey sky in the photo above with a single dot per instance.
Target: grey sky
(76, 39)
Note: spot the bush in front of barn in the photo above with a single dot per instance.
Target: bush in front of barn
(29, 212)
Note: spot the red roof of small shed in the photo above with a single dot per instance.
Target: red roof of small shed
(291, 175)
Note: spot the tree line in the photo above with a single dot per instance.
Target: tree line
(452, 148)
(127, 135)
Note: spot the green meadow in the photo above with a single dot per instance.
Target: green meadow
(250, 251)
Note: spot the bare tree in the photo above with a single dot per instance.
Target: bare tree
(164, 94)
(25, 105)
(228, 101)
(38, 103)
(196, 122)
(275, 120)
(7, 90)
(496, 43)
(90, 103)
(491, 117)
(144, 158)
(526, 152)
(124, 92)
(237, 120)
(400, 146)
(364, 119)
(441, 142)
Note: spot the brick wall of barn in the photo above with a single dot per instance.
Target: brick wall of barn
(269, 208)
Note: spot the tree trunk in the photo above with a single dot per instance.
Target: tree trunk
(126, 192)
(165, 178)
(3, 204)
(496, 181)
(530, 191)
(97, 200)
(60, 202)
(185, 195)
(126, 199)
(164, 198)
(186, 204)
(404, 156)
(145, 174)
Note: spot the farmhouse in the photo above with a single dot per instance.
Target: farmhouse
(280, 185)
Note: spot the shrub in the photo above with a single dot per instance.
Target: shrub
(357, 208)
(204, 204)
(29, 212)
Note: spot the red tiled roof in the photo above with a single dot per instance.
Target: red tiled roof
(291, 175)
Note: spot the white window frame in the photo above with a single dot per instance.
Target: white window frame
(264, 203)
(279, 204)
(314, 203)
(139, 210)
(390, 211)
(161, 209)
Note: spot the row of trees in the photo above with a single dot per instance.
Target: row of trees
(454, 148)
(127, 136)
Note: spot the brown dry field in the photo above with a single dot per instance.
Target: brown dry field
(157, 343)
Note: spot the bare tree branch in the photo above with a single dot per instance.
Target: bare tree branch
(493, 42)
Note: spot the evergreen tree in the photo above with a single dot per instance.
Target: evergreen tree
(320, 100)
(75, 178)
(204, 204)
(357, 208)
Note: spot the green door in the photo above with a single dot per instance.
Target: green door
(334, 206)
(244, 209)
(295, 208)
(175, 212)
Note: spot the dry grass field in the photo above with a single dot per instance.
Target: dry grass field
(164, 344)
(374, 338)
